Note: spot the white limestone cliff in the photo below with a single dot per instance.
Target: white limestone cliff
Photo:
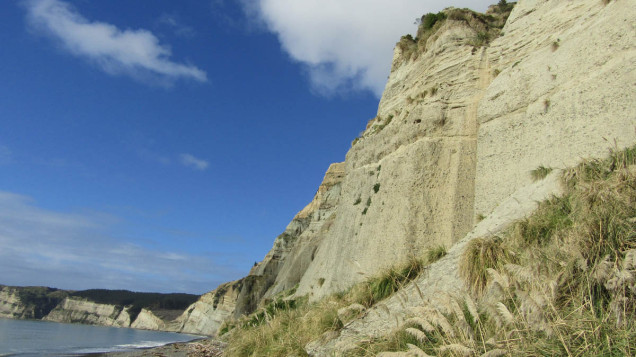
(459, 128)
(146, 320)
(76, 310)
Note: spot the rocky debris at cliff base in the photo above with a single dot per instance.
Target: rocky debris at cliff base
(212, 348)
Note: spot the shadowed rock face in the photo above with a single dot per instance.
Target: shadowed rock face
(460, 126)
(28, 303)
(281, 269)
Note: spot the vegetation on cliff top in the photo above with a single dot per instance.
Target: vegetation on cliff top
(137, 300)
(487, 27)
(560, 282)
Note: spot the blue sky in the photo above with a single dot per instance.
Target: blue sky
(160, 145)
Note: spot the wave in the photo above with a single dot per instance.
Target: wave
(146, 344)
(126, 347)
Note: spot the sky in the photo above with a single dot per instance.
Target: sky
(160, 145)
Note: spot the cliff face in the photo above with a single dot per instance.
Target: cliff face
(10, 305)
(282, 268)
(467, 113)
(561, 89)
(117, 308)
(412, 170)
(147, 320)
(29, 302)
(207, 315)
(565, 92)
(74, 310)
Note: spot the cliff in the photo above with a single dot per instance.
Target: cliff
(281, 269)
(74, 310)
(28, 302)
(469, 110)
(119, 308)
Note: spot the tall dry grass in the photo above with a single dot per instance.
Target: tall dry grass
(558, 283)
(285, 326)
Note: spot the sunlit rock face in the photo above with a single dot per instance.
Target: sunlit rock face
(565, 92)
(460, 125)
(75, 310)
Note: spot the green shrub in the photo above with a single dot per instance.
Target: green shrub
(429, 20)
(376, 187)
(482, 38)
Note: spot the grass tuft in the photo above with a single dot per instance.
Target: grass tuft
(436, 253)
(382, 286)
(540, 173)
(551, 217)
(480, 255)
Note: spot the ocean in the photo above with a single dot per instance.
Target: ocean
(28, 338)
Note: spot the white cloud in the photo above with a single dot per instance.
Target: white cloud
(136, 53)
(75, 251)
(346, 44)
(191, 161)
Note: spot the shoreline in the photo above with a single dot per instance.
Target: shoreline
(199, 347)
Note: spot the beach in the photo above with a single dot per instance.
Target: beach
(198, 348)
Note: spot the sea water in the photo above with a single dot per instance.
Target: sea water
(39, 338)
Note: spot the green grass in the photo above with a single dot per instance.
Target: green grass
(430, 19)
(482, 38)
(436, 253)
(540, 173)
(480, 255)
(282, 329)
(487, 27)
(552, 216)
(558, 283)
(382, 286)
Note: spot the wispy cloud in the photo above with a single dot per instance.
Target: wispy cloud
(193, 162)
(345, 44)
(76, 251)
(173, 22)
(136, 53)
